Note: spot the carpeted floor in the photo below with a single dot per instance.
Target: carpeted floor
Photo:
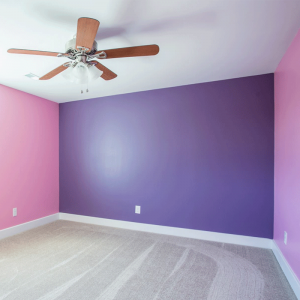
(67, 260)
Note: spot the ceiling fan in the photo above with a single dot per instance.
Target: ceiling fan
(82, 50)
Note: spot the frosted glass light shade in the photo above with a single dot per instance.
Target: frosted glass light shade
(94, 73)
(82, 73)
(68, 74)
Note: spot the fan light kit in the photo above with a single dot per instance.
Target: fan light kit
(82, 50)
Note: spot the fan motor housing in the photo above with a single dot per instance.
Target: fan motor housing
(71, 46)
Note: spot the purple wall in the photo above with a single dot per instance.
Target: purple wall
(197, 156)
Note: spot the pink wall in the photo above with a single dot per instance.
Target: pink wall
(29, 177)
(287, 154)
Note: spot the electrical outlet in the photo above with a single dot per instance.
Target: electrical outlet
(15, 212)
(285, 237)
(137, 209)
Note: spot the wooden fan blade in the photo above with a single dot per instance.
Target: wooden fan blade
(86, 32)
(131, 51)
(32, 52)
(53, 73)
(107, 73)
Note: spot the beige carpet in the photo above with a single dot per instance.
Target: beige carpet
(67, 260)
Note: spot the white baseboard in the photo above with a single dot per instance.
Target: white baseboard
(4, 233)
(287, 270)
(182, 232)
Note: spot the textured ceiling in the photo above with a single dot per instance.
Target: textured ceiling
(199, 41)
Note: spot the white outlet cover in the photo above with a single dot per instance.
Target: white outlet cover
(285, 237)
(15, 212)
(137, 209)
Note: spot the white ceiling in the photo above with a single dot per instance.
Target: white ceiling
(200, 41)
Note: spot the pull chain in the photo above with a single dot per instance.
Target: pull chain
(87, 88)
